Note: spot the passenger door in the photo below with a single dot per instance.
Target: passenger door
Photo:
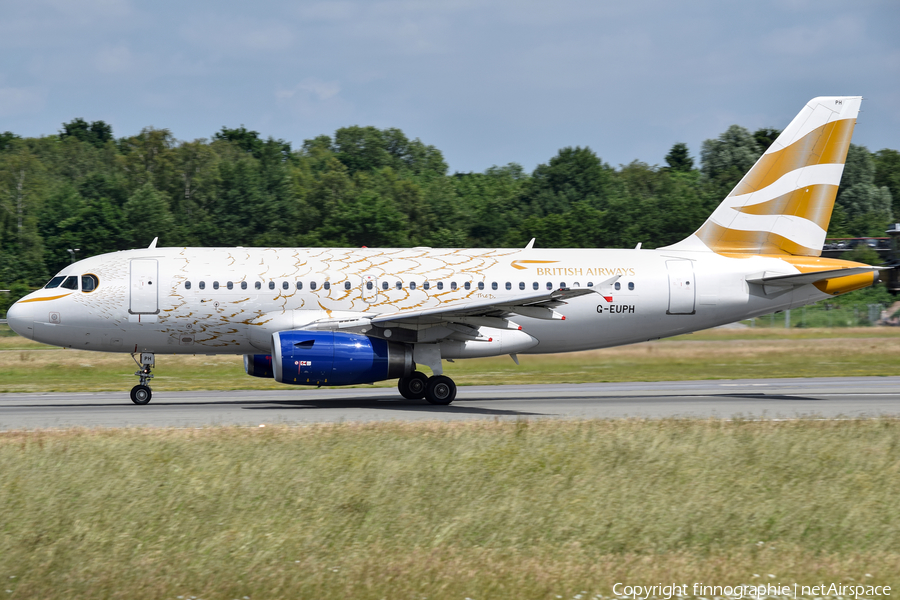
(144, 297)
(681, 287)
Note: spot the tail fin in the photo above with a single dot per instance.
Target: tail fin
(784, 203)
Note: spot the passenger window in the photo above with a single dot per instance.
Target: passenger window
(590, 284)
(385, 285)
(89, 283)
(521, 285)
(369, 285)
(258, 285)
(202, 285)
(299, 285)
(468, 285)
(327, 285)
(453, 286)
(412, 285)
(480, 285)
(229, 285)
(630, 285)
(535, 285)
(508, 285)
(426, 285)
(618, 286)
(312, 285)
(549, 285)
(71, 283)
(494, 285)
(346, 285)
(54, 283)
(562, 285)
(440, 285)
(399, 285)
(285, 285)
(576, 284)
(187, 285)
(243, 285)
(271, 285)
(215, 285)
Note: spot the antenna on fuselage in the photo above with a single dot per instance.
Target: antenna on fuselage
(153, 243)
(530, 244)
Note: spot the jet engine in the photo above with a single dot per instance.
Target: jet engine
(334, 358)
(258, 365)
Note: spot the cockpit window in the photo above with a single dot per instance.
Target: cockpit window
(71, 283)
(89, 282)
(54, 283)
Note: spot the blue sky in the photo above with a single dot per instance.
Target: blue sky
(486, 82)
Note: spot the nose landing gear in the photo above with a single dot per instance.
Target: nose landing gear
(141, 393)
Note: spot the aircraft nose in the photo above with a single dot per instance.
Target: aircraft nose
(21, 320)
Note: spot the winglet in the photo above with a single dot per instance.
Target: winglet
(153, 243)
(530, 244)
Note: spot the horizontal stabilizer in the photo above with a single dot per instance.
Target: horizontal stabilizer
(807, 278)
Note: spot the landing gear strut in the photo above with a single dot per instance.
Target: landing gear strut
(438, 389)
(141, 393)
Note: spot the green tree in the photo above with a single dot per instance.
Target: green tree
(765, 137)
(887, 174)
(678, 158)
(574, 175)
(866, 208)
(96, 134)
(146, 215)
(725, 160)
(6, 139)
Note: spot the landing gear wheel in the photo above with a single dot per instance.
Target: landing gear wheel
(412, 387)
(440, 390)
(141, 394)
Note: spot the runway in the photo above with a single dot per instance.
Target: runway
(749, 398)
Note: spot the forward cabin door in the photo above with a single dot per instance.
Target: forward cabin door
(681, 287)
(144, 298)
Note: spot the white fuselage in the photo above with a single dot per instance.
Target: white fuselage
(238, 297)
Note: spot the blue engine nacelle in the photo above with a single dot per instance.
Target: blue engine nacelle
(258, 365)
(330, 358)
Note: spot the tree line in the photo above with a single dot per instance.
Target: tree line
(85, 189)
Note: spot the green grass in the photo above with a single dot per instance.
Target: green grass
(718, 354)
(477, 510)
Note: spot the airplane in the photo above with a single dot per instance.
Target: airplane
(350, 316)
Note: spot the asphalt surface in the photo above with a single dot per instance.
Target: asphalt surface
(748, 398)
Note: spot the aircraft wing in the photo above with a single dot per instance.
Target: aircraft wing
(537, 305)
(462, 317)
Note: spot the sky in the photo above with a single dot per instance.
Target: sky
(486, 82)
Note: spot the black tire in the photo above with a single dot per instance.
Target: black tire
(141, 394)
(440, 390)
(412, 387)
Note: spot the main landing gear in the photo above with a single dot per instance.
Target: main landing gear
(141, 393)
(438, 389)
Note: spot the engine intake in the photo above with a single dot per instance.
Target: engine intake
(333, 358)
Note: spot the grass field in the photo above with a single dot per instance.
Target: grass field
(436, 510)
(26, 366)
